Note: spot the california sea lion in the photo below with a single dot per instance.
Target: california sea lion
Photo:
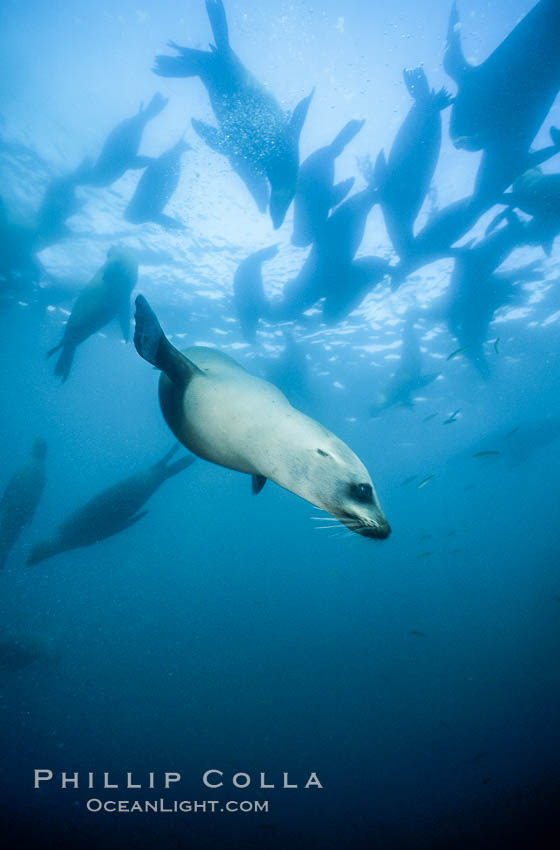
(228, 417)
(20, 499)
(404, 179)
(351, 287)
(57, 205)
(316, 192)
(252, 125)
(105, 297)
(248, 292)
(111, 511)
(120, 151)
(538, 195)
(155, 188)
(408, 377)
(501, 104)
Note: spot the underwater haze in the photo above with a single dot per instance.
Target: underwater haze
(417, 675)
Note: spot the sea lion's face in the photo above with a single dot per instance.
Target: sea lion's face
(345, 490)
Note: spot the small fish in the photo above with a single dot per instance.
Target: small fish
(451, 533)
(425, 481)
(486, 454)
(425, 537)
(416, 633)
(458, 352)
(479, 756)
(430, 416)
(409, 480)
(496, 345)
(452, 418)
(425, 554)
(556, 597)
(512, 432)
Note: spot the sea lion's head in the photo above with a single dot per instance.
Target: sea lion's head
(339, 483)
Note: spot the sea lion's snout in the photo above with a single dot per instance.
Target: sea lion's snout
(379, 531)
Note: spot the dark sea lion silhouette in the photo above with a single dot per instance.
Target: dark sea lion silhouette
(316, 192)
(252, 127)
(248, 292)
(15, 654)
(19, 267)
(20, 498)
(156, 187)
(233, 419)
(111, 511)
(437, 237)
(59, 203)
(476, 290)
(408, 377)
(120, 151)
(404, 179)
(105, 297)
(501, 104)
(349, 290)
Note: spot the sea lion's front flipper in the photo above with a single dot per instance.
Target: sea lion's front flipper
(133, 520)
(454, 60)
(210, 135)
(380, 171)
(340, 190)
(257, 482)
(124, 319)
(345, 136)
(152, 344)
(299, 115)
(190, 63)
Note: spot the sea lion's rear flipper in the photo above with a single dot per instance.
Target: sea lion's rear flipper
(299, 115)
(495, 221)
(547, 244)
(257, 483)
(179, 466)
(340, 190)
(190, 63)
(454, 61)
(152, 344)
(210, 135)
(218, 22)
(64, 362)
(345, 136)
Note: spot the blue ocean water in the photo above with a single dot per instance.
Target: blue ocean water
(417, 675)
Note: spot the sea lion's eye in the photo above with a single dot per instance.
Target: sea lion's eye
(321, 452)
(362, 492)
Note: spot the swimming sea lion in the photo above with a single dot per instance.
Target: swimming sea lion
(155, 188)
(248, 292)
(352, 287)
(120, 151)
(538, 195)
(57, 205)
(316, 193)
(404, 180)
(226, 416)
(252, 125)
(106, 296)
(501, 104)
(20, 499)
(111, 511)
(408, 378)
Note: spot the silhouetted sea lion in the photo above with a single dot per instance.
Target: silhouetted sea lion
(538, 195)
(408, 377)
(252, 125)
(57, 205)
(111, 511)
(248, 292)
(156, 187)
(404, 180)
(20, 499)
(105, 297)
(351, 287)
(120, 151)
(15, 654)
(227, 416)
(501, 104)
(316, 193)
